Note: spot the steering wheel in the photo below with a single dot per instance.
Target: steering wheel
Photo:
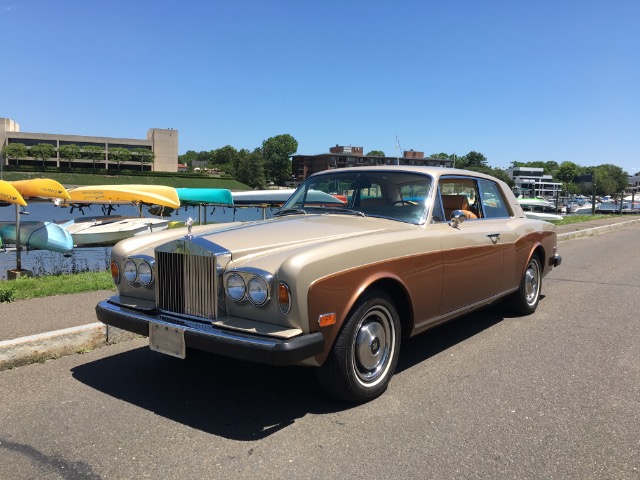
(403, 202)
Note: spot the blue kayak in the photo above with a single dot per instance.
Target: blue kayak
(206, 196)
(38, 236)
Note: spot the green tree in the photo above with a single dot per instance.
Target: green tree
(472, 161)
(143, 155)
(188, 158)
(475, 159)
(609, 179)
(249, 168)
(276, 152)
(567, 171)
(93, 153)
(69, 152)
(15, 151)
(119, 155)
(43, 151)
(551, 167)
(376, 153)
(224, 155)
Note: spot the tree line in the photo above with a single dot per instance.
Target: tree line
(269, 163)
(605, 179)
(608, 179)
(70, 152)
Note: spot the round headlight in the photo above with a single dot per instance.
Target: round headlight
(258, 290)
(235, 287)
(130, 271)
(145, 274)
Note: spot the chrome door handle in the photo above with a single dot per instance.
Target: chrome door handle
(494, 237)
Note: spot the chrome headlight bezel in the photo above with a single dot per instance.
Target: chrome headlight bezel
(256, 286)
(258, 290)
(130, 271)
(235, 287)
(139, 271)
(145, 274)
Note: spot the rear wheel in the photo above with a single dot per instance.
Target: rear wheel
(364, 356)
(526, 299)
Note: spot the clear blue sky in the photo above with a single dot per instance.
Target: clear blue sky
(545, 80)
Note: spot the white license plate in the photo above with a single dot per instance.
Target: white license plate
(167, 340)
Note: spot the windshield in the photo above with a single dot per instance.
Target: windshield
(395, 195)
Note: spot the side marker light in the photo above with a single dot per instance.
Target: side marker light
(327, 319)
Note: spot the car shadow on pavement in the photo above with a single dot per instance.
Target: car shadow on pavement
(436, 340)
(241, 400)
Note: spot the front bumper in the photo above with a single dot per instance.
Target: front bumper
(556, 260)
(256, 348)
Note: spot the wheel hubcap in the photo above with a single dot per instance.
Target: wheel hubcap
(373, 346)
(532, 283)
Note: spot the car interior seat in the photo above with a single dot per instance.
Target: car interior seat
(457, 202)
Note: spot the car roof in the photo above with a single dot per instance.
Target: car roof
(436, 172)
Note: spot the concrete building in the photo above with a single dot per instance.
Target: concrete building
(162, 142)
(634, 186)
(532, 182)
(341, 157)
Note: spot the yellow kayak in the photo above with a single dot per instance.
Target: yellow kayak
(40, 187)
(9, 194)
(151, 194)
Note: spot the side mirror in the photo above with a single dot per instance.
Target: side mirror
(457, 217)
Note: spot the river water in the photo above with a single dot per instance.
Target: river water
(43, 262)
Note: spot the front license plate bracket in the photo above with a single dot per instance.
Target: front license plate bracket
(167, 339)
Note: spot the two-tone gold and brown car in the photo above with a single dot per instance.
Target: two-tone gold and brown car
(355, 260)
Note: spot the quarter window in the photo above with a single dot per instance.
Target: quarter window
(493, 202)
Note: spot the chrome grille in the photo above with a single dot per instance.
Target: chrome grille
(187, 284)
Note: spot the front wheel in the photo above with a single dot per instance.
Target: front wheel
(364, 356)
(526, 299)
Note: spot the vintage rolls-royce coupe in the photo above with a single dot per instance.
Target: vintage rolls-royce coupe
(355, 260)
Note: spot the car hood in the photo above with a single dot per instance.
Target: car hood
(252, 238)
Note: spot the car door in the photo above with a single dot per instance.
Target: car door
(474, 252)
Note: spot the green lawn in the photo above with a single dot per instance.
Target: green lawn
(577, 219)
(45, 286)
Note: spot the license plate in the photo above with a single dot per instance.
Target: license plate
(167, 339)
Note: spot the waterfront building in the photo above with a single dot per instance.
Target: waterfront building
(634, 186)
(163, 142)
(349, 156)
(532, 182)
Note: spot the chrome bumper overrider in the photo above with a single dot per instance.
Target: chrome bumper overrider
(206, 337)
(556, 260)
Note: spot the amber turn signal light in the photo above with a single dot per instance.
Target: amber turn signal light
(115, 273)
(284, 297)
(327, 319)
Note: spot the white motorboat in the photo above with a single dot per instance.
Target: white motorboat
(106, 231)
(539, 209)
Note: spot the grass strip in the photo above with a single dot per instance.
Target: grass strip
(45, 286)
(568, 219)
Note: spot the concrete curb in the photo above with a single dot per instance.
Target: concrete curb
(595, 230)
(49, 345)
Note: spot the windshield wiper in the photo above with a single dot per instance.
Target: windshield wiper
(346, 211)
(290, 211)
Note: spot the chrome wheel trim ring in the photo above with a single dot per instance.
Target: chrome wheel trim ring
(532, 282)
